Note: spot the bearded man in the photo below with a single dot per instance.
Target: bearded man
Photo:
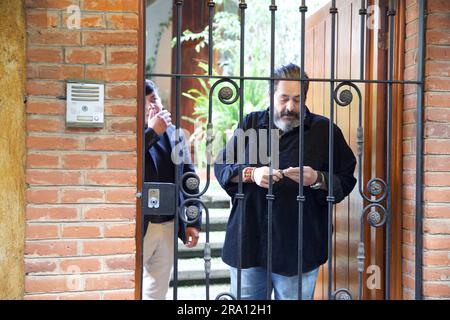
(285, 177)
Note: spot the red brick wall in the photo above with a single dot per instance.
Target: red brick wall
(436, 272)
(81, 182)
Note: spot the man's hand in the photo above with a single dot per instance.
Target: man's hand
(160, 122)
(261, 176)
(309, 175)
(192, 236)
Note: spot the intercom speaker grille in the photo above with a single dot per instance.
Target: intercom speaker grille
(85, 93)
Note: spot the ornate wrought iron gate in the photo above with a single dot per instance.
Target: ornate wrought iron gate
(376, 194)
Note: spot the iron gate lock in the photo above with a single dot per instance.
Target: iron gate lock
(159, 199)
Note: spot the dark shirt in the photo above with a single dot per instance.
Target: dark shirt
(161, 154)
(285, 205)
(159, 167)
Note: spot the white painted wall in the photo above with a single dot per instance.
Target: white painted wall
(159, 12)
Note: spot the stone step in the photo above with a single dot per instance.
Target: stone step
(215, 197)
(214, 202)
(192, 271)
(217, 225)
(216, 240)
(191, 267)
(198, 292)
(218, 219)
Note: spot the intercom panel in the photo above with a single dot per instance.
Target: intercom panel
(159, 199)
(85, 105)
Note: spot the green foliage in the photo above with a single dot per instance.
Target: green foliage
(224, 117)
(226, 35)
(227, 42)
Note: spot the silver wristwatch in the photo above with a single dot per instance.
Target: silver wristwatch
(319, 182)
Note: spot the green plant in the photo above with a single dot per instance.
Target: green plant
(226, 35)
(224, 117)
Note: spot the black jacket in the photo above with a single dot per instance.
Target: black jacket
(156, 160)
(285, 205)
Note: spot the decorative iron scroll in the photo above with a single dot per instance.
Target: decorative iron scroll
(376, 213)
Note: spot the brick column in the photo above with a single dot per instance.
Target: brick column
(81, 182)
(436, 272)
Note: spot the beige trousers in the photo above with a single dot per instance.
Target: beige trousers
(157, 260)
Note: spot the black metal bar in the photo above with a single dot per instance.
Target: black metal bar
(209, 129)
(177, 124)
(240, 196)
(301, 196)
(195, 76)
(360, 141)
(330, 198)
(207, 254)
(270, 196)
(419, 153)
(391, 13)
(363, 13)
(211, 5)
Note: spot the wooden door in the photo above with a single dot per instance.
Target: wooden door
(347, 213)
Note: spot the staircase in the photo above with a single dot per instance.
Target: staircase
(191, 267)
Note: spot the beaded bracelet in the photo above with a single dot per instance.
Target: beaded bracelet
(247, 174)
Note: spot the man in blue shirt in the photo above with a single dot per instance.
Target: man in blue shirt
(159, 167)
(285, 189)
